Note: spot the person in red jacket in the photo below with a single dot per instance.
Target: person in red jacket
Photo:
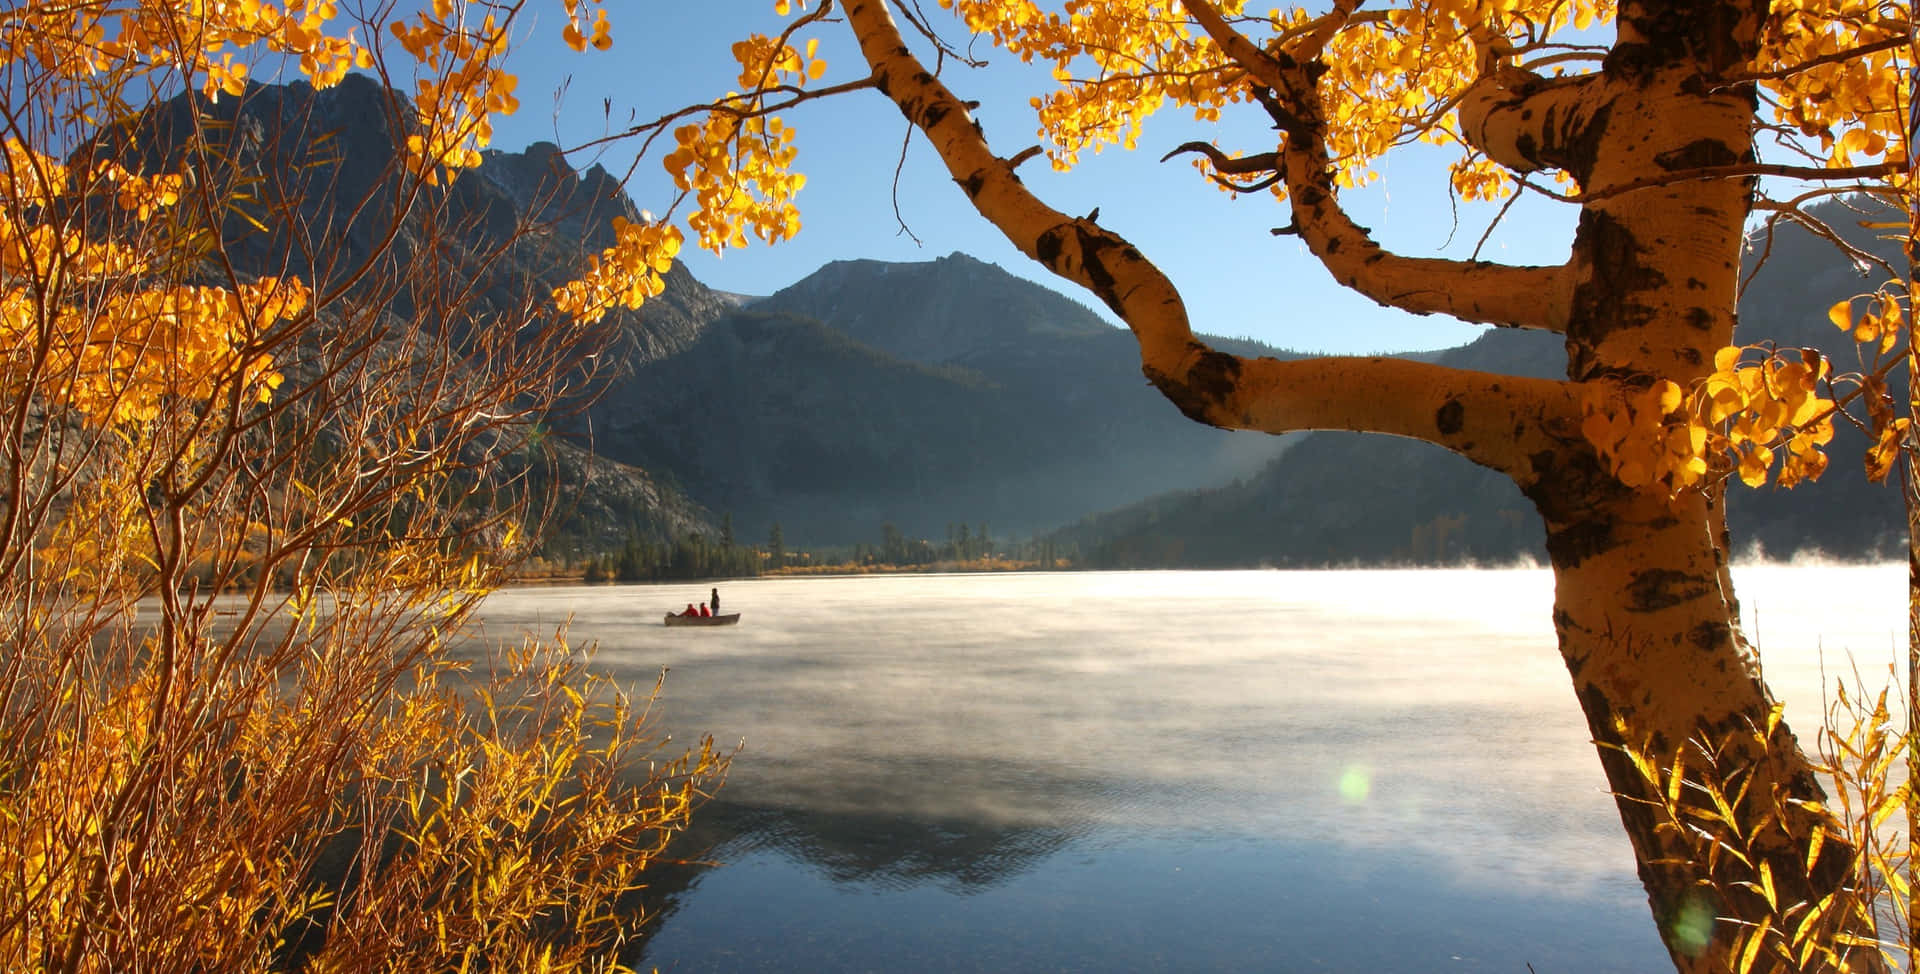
(705, 613)
(691, 611)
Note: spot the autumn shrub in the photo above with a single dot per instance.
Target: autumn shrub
(1705, 801)
(269, 404)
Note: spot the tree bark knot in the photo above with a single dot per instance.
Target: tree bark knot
(1664, 588)
(1206, 385)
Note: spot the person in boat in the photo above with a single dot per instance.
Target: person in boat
(691, 611)
(705, 613)
(715, 601)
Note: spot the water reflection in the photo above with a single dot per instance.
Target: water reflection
(880, 850)
(1152, 770)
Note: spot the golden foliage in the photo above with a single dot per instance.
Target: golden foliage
(106, 342)
(246, 514)
(735, 162)
(738, 167)
(1391, 77)
(1395, 74)
(122, 46)
(1739, 419)
(1758, 405)
(1833, 76)
(1760, 850)
(599, 36)
(625, 274)
(222, 817)
(463, 89)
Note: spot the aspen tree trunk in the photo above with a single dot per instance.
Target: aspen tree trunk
(1644, 608)
(1644, 619)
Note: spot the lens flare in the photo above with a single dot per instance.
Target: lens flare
(1691, 926)
(1356, 782)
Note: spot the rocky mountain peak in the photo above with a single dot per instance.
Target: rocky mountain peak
(541, 180)
(944, 311)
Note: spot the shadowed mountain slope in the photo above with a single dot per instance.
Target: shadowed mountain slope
(918, 395)
(1342, 498)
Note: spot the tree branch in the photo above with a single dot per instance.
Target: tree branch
(1831, 57)
(1476, 291)
(1265, 162)
(737, 105)
(1266, 165)
(1495, 420)
(1528, 123)
(1498, 421)
(1742, 170)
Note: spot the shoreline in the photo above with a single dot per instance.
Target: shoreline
(978, 566)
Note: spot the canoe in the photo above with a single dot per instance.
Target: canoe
(676, 619)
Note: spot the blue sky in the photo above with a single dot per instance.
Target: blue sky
(1237, 278)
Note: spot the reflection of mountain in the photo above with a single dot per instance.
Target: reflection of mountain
(880, 824)
(881, 850)
(885, 849)
(867, 815)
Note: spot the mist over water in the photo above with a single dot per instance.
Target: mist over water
(1381, 770)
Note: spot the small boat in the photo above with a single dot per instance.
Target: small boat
(676, 619)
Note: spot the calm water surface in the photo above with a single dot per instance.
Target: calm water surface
(1272, 771)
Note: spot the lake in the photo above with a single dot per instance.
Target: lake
(1149, 771)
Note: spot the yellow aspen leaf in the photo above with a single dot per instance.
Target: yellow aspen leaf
(1667, 396)
(1885, 450)
(1697, 438)
(1867, 329)
(1807, 410)
(1841, 314)
(1633, 473)
(1891, 310)
(1755, 462)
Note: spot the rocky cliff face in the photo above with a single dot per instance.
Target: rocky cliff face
(311, 188)
(329, 156)
(576, 212)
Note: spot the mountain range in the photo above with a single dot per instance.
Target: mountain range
(921, 395)
(916, 395)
